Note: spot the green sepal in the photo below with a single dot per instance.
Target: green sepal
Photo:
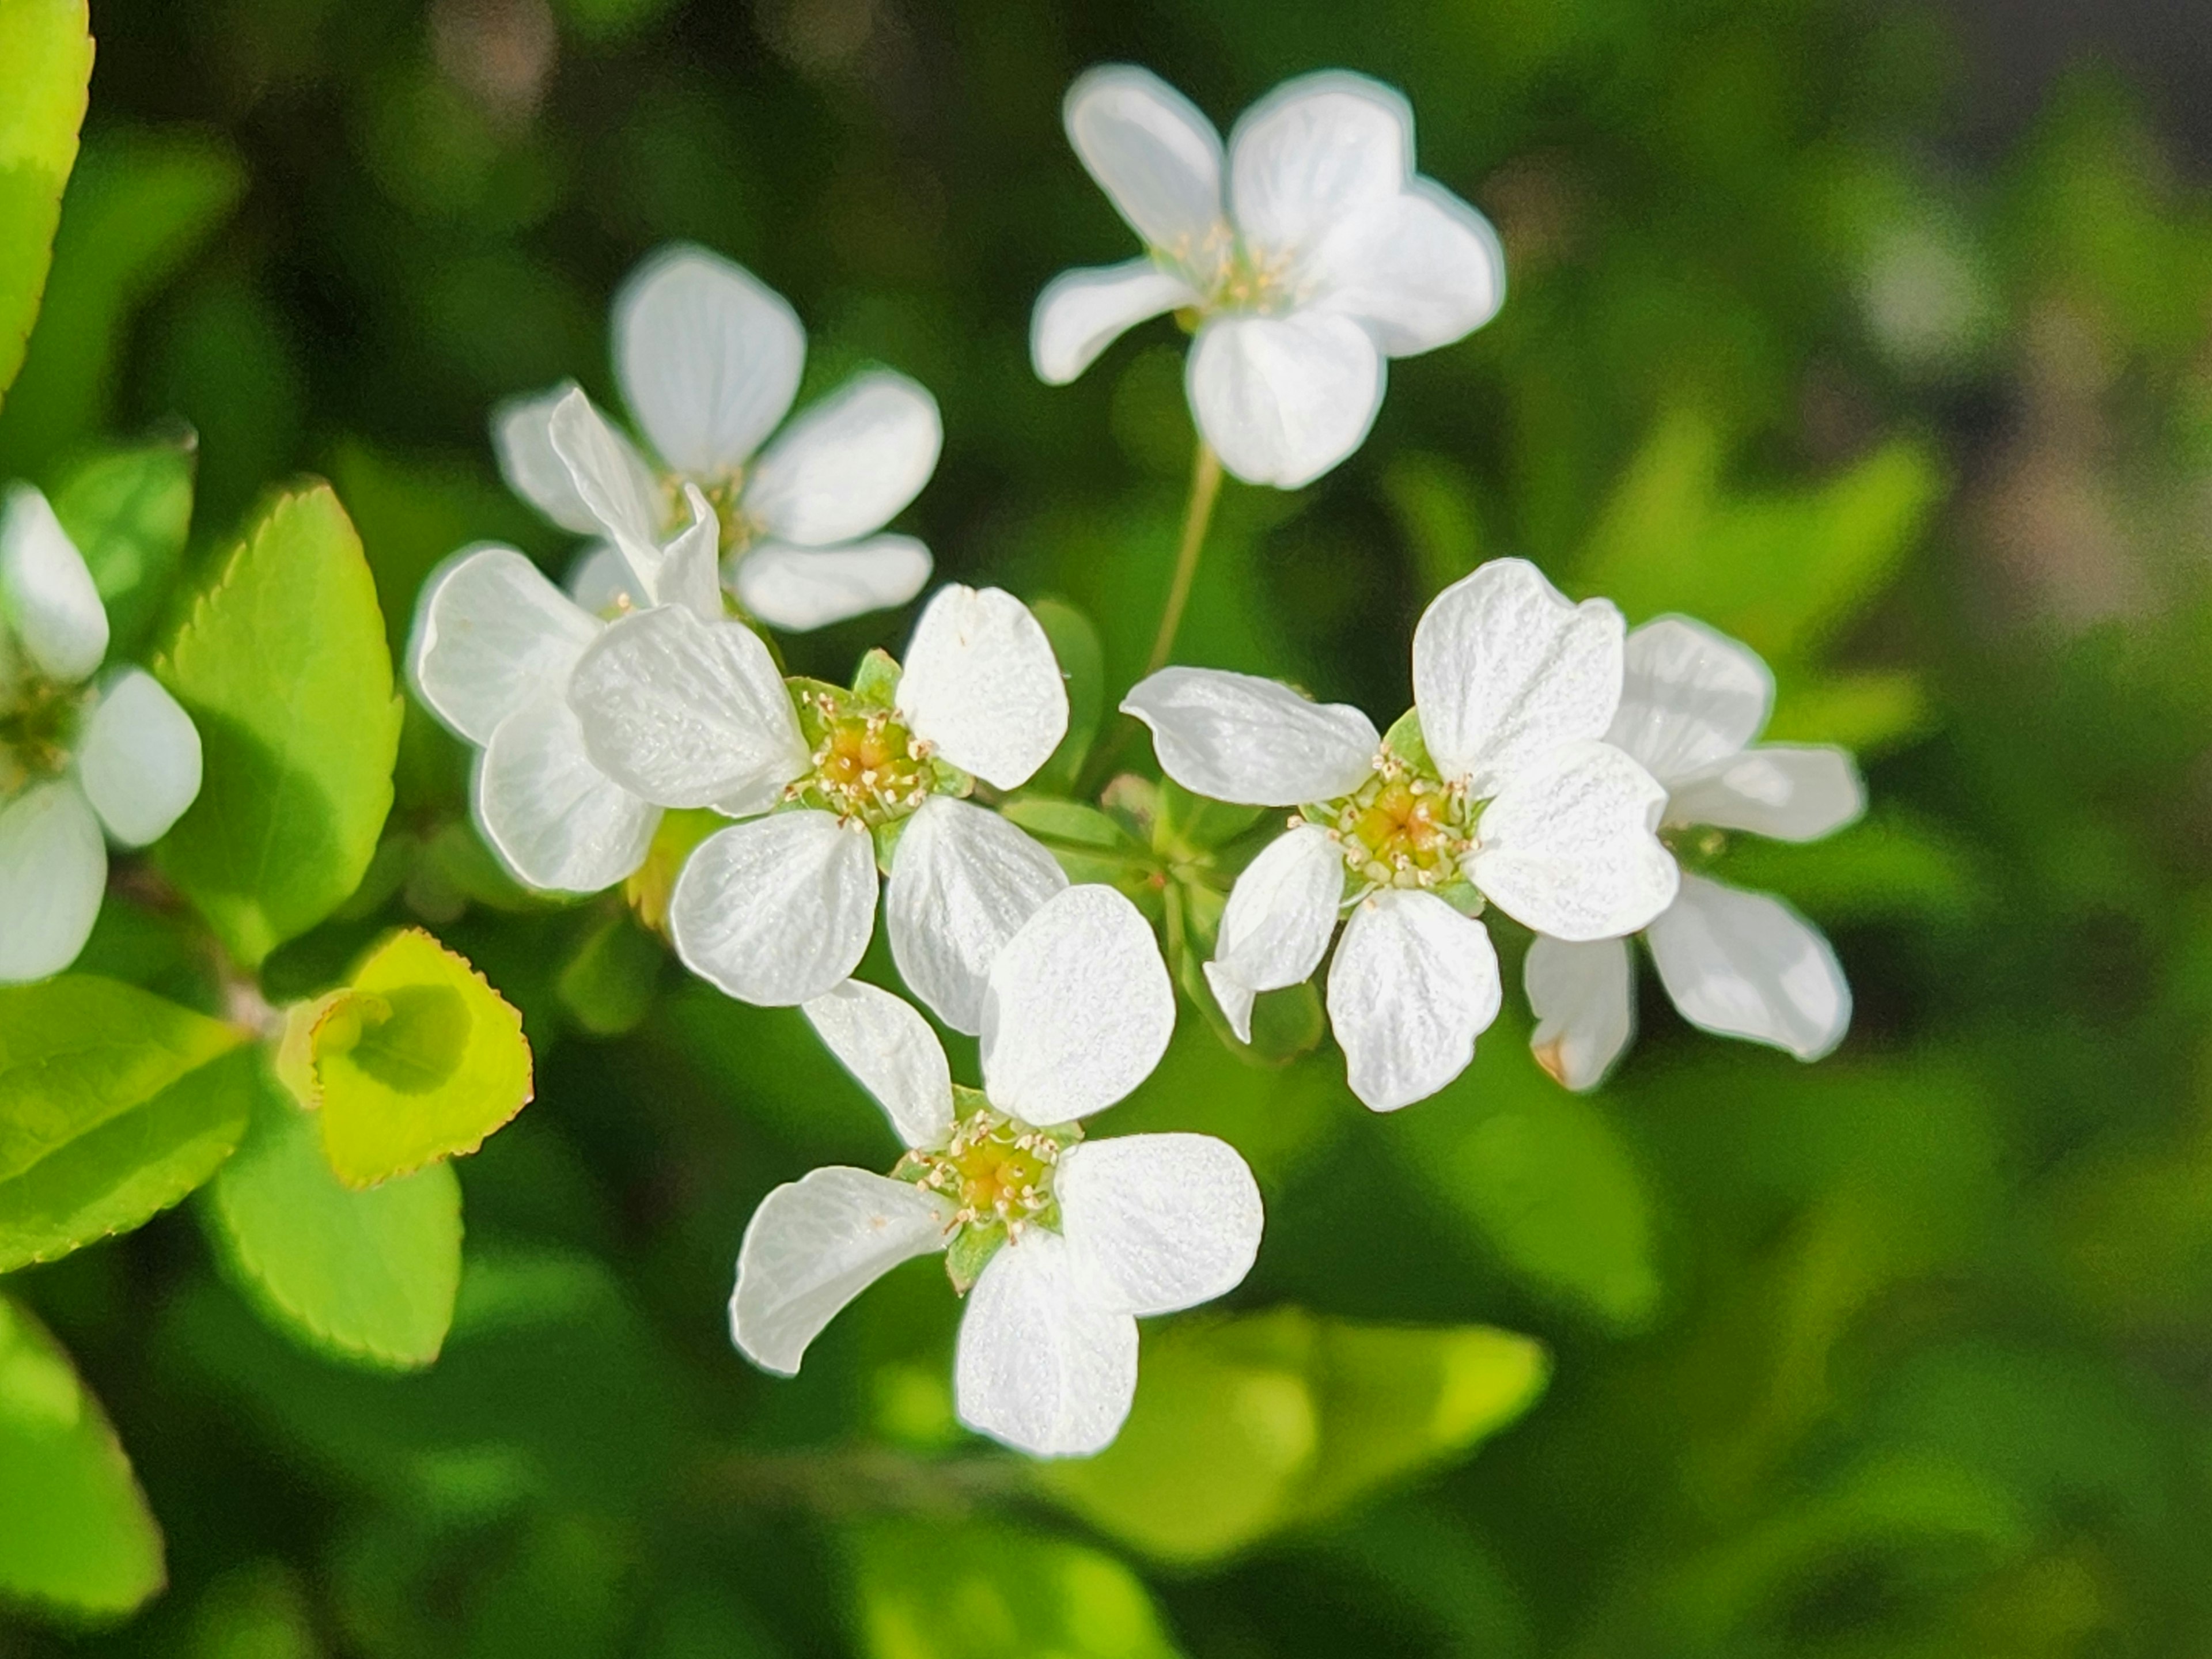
(876, 681)
(971, 1252)
(966, 1102)
(1404, 739)
(886, 837)
(807, 698)
(1462, 895)
(1134, 803)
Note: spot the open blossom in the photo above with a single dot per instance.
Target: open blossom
(1065, 1242)
(1737, 963)
(708, 359)
(78, 754)
(494, 648)
(686, 711)
(1507, 794)
(1305, 258)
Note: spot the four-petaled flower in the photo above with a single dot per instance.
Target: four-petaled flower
(1505, 793)
(1321, 254)
(708, 359)
(1065, 1241)
(1736, 964)
(76, 755)
(683, 711)
(496, 647)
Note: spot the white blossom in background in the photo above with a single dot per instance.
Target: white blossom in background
(81, 752)
(494, 647)
(708, 360)
(1508, 794)
(835, 786)
(1734, 962)
(1307, 257)
(1065, 1241)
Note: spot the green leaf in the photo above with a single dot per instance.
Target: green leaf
(47, 47)
(1081, 661)
(116, 1176)
(418, 1060)
(282, 666)
(1543, 1176)
(138, 207)
(75, 1531)
(128, 510)
(109, 1111)
(1191, 824)
(367, 1276)
(1242, 1427)
(927, 1590)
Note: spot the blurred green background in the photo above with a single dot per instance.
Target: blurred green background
(1841, 326)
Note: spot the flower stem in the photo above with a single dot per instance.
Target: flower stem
(1205, 487)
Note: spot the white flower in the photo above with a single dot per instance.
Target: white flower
(1506, 794)
(1736, 964)
(494, 648)
(1065, 1241)
(77, 755)
(708, 360)
(685, 712)
(1321, 254)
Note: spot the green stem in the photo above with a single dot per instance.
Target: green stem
(1205, 487)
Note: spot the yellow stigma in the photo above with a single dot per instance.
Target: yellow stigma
(1401, 829)
(996, 1170)
(867, 766)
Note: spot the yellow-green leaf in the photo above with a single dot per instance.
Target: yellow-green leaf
(75, 1531)
(282, 665)
(418, 1060)
(46, 46)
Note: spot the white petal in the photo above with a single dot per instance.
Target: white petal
(1420, 268)
(53, 869)
(890, 1047)
(1314, 152)
(522, 437)
(560, 822)
(850, 462)
(46, 594)
(492, 634)
(1081, 312)
(816, 1244)
(1156, 156)
(1160, 1222)
(688, 713)
(1689, 696)
(1041, 1368)
(138, 759)
(1506, 669)
(776, 911)
(1583, 996)
(1414, 984)
(1282, 399)
(1792, 791)
(982, 684)
(602, 583)
(1277, 925)
(799, 589)
(1239, 738)
(612, 478)
(1746, 965)
(1568, 847)
(1078, 1011)
(685, 570)
(963, 880)
(708, 357)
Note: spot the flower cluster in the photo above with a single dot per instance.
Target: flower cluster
(1555, 767)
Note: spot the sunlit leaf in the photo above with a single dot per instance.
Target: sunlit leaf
(981, 1590)
(75, 1531)
(48, 51)
(368, 1276)
(1243, 1427)
(418, 1059)
(282, 665)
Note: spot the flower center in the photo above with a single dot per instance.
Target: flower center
(867, 766)
(1234, 275)
(37, 726)
(1402, 828)
(998, 1171)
